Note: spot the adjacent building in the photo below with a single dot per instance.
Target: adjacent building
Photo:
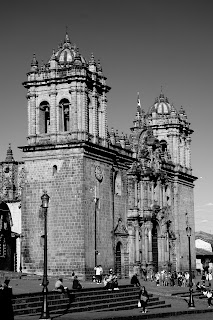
(11, 182)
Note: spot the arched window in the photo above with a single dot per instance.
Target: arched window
(54, 169)
(44, 117)
(163, 144)
(64, 115)
(118, 184)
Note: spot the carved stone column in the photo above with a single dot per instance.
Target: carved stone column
(143, 247)
(131, 232)
(137, 251)
(136, 193)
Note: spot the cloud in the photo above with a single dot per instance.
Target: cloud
(204, 221)
(209, 204)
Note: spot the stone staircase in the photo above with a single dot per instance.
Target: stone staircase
(88, 299)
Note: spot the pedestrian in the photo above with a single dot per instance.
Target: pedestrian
(101, 273)
(6, 307)
(76, 284)
(143, 298)
(98, 273)
(135, 281)
(203, 278)
(59, 286)
(209, 297)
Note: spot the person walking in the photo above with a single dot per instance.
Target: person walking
(143, 298)
(6, 307)
(209, 298)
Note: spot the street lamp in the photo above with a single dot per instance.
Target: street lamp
(45, 311)
(191, 304)
(96, 206)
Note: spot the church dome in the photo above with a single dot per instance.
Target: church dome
(161, 106)
(67, 52)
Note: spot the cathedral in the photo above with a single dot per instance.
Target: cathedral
(119, 201)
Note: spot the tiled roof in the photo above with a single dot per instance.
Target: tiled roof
(207, 237)
(202, 252)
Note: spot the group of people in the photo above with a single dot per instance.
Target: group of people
(165, 278)
(110, 280)
(59, 286)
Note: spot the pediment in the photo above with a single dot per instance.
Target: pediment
(120, 229)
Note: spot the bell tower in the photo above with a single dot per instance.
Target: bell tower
(66, 99)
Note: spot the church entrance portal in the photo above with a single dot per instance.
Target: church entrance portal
(155, 247)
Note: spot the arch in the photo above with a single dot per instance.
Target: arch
(64, 115)
(44, 117)
(163, 144)
(155, 245)
(7, 241)
(66, 56)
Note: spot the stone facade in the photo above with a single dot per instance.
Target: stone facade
(122, 202)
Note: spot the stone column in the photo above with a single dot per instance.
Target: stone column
(53, 111)
(136, 193)
(85, 111)
(32, 116)
(137, 251)
(104, 117)
(150, 243)
(95, 115)
(145, 193)
(160, 195)
(146, 245)
(131, 248)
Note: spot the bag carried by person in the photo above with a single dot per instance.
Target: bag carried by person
(139, 304)
(144, 298)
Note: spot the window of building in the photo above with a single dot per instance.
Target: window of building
(64, 115)
(163, 144)
(44, 117)
(118, 184)
(3, 247)
(54, 169)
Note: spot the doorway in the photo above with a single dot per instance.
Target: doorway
(155, 247)
(118, 260)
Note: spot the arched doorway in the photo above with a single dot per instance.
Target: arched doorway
(7, 241)
(155, 246)
(118, 260)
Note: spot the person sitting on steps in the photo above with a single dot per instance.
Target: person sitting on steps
(59, 286)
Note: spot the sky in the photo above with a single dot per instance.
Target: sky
(142, 46)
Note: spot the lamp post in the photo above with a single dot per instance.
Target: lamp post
(96, 205)
(45, 311)
(191, 304)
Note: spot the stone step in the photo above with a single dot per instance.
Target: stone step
(87, 300)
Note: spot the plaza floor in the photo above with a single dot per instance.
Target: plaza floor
(179, 306)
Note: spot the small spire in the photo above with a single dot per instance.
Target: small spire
(34, 62)
(161, 93)
(9, 156)
(182, 111)
(53, 57)
(92, 60)
(99, 67)
(138, 103)
(66, 39)
(77, 59)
